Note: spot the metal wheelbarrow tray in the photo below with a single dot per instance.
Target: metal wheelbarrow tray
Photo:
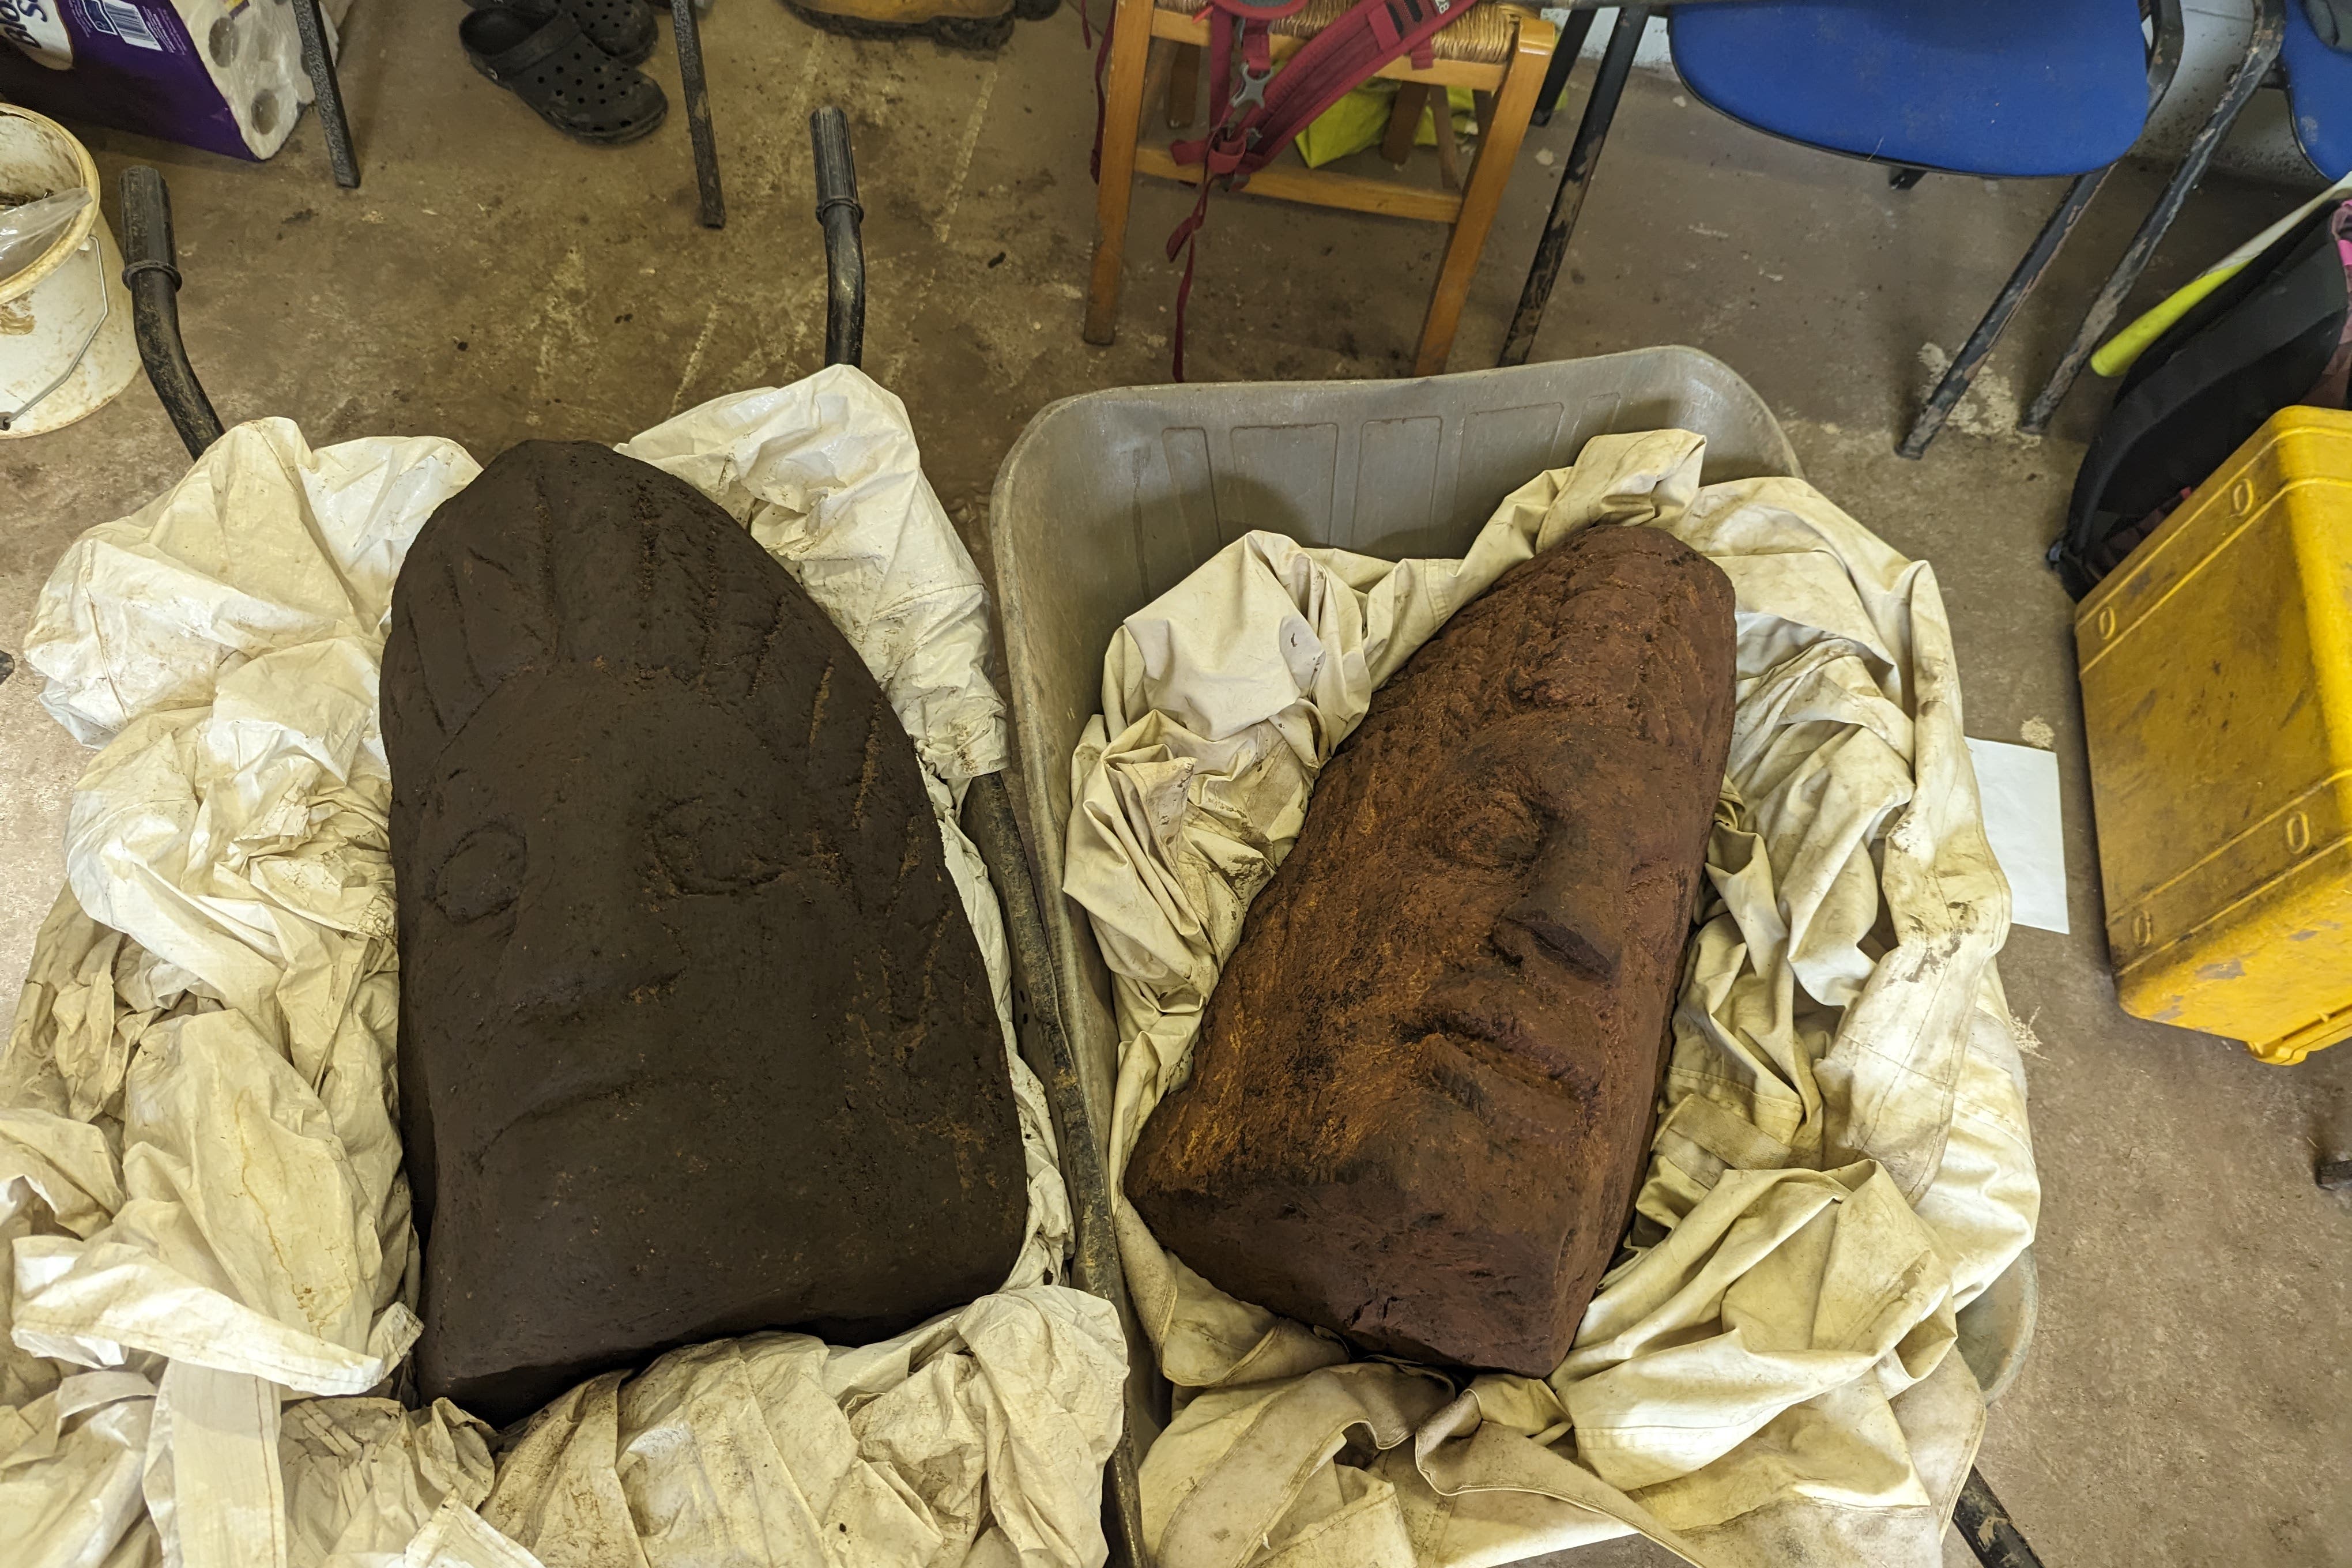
(1109, 499)
(151, 274)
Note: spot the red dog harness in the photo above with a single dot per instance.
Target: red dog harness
(1254, 121)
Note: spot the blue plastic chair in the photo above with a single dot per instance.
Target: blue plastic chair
(2272, 27)
(2000, 88)
(1992, 87)
(2319, 95)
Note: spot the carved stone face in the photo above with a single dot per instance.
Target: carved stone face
(695, 1039)
(1422, 1091)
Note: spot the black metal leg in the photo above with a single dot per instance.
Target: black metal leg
(698, 113)
(1045, 1045)
(151, 273)
(1575, 178)
(1984, 1525)
(1903, 177)
(2030, 267)
(845, 254)
(327, 91)
(1564, 56)
(2262, 49)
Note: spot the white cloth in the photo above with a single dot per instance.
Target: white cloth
(200, 1179)
(360, 1477)
(1844, 1158)
(930, 1448)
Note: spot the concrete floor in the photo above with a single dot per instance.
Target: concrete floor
(2186, 1400)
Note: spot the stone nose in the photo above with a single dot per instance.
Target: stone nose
(1573, 910)
(587, 938)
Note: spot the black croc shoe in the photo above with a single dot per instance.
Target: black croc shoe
(544, 58)
(623, 29)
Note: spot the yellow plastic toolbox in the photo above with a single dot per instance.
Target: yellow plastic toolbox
(2217, 700)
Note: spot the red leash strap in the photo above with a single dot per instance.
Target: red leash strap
(1340, 59)
(1219, 154)
(1187, 236)
(1218, 159)
(1225, 129)
(1255, 123)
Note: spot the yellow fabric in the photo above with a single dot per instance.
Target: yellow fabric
(2117, 353)
(1358, 121)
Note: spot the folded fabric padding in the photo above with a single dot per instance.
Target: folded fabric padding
(200, 1177)
(1843, 1160)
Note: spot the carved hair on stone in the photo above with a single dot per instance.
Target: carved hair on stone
(1422, 1090)
(695, 1038)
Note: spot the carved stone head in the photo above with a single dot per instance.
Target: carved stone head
(1422, 1091)
(695, 1037)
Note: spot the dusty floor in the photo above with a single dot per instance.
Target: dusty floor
(2186, 1400)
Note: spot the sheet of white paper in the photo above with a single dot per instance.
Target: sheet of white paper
(2019, 785)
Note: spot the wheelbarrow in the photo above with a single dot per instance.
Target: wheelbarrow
(988, 816)
(1108, 500)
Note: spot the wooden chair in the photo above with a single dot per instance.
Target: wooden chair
(1498, 51)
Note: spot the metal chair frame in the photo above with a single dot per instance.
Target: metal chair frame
(2163, 60)
(327, 91)
(2163, 28)
(2261, 56)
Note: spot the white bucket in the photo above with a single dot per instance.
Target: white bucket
(66, 345)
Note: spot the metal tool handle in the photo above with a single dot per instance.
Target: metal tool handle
(1985, 1526)
(151, 273)
(711, 201)
(989, 817)
(845, 251)
(327, 91)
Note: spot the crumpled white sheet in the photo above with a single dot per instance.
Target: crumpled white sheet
(1767, 1375)
(200, 1177)
(839, 1457)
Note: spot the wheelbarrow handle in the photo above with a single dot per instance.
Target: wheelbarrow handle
(845, 254)
(151, 273)
(989, 817)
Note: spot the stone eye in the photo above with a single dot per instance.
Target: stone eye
(707, 848)
(1490, 828)
(482, 875)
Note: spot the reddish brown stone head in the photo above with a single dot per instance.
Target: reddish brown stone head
(1422, 1093)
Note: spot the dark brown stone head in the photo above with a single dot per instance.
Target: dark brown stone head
(695, 1037)
(1422, 1092)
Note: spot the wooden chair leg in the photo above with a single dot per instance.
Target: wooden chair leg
(1404, 120)
(1449, 157)
(1498, 149)
(1130, 49)
(1159, 72)
(1185, 88)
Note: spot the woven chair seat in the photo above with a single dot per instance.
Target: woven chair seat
(1482, 36)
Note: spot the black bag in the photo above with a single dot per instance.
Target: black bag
(2272, 336)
